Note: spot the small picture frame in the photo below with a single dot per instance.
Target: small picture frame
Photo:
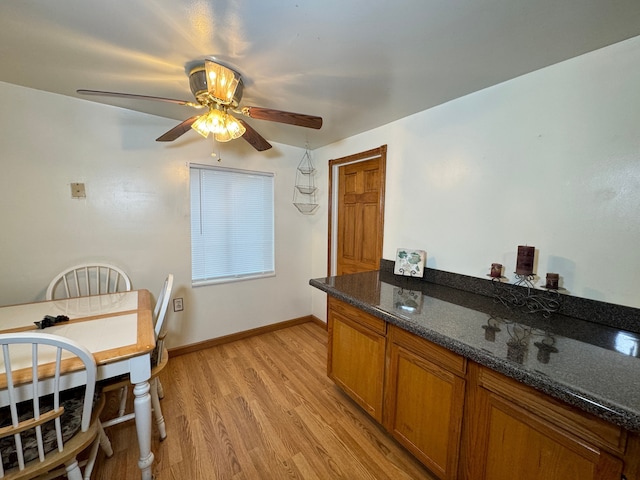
(409, 262)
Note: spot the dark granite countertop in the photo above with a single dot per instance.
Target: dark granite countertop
(592, 366)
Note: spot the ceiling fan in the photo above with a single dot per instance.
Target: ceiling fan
(219, 89)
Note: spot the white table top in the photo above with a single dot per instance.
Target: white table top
(23, 315)
(114, 327)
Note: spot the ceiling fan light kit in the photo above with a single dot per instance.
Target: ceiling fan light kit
(219, 89)
(217, 121)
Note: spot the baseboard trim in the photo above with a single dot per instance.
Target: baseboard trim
(317, 321)
(194, 347)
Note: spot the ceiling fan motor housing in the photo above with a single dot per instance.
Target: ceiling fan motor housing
(198, 85)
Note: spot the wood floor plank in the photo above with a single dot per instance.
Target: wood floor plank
(306, 470)
(260, 408)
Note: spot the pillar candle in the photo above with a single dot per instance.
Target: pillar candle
(496, 270)
(552, 281)
(524, 262)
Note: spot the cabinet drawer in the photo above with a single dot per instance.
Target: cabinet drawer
(447, 359)
(586, 426)
(355, 314)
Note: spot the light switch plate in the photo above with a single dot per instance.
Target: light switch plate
(77, 190)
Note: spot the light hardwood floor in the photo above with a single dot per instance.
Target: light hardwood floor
(261, 408)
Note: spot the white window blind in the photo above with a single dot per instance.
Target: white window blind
(231, 224)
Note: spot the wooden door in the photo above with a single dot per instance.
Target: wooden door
(360, 212)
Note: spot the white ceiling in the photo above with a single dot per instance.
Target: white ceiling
(358, 64)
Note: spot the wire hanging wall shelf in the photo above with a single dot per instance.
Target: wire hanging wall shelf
(304, 192)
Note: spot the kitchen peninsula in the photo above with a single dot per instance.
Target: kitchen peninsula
(477, 389)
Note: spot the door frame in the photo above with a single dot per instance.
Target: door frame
(334, 164)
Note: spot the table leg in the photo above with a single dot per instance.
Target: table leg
(140, 372)
(142, 408)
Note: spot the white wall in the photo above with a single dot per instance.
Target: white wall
(136, 213)
(550, 159)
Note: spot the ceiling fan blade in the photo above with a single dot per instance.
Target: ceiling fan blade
(256, 140)
(178, 130)
(298, 119)
(138, 97)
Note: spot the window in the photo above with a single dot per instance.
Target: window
(231, 224)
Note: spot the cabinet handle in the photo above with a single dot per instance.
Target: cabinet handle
(623, 477)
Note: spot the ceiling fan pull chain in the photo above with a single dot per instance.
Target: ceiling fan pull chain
(213, 153)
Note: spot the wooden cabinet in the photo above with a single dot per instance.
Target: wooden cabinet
(424, 399)
(513, 431)
(632, 457)
(356, 354)
(466, 421)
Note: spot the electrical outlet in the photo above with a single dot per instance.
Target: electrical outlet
(177, 305)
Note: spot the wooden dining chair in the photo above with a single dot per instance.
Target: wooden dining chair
(88, 279)
(46, 423)
(159, 360)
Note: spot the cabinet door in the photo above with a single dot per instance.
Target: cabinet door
(356, 362)
(525, 447)
(514, 433)
(424, 409)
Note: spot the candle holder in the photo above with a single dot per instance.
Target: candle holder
(499, 279)
(525, 280)
(528, 297)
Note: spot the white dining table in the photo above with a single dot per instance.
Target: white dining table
(117, 328)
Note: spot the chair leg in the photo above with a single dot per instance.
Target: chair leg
(105, 443)
(124, 393)
(157, 411)
(101, 441)
(73, 470)
(91, 461)
(160, 389)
